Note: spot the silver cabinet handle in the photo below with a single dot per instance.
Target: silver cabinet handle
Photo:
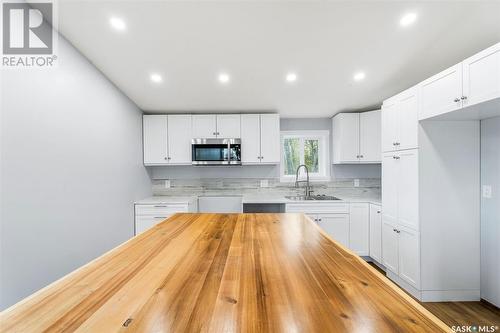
(395, 157)
(160, 206)
(357, 156)
(319, 220)
(159, 217)
(456, 100)
(397, 143)
(378, 211)
(361, 156)
(463, 98)
(166, 158)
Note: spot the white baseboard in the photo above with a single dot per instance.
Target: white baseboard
(405, 285)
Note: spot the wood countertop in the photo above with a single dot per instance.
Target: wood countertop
(224, 273)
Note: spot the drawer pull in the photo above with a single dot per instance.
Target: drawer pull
(160, 206)
(159, 217)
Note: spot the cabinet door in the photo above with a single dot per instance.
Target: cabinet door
(390, 255)
(407, 181)
(390, 186)
(179, 139)
(389, 125)
(376, 233)
(228, 126)
(359, 227)
(155, 139)
(369, 137)
(270, 138)
(347, 128)
(482, 76)
(204, 126)
(441, 93)
(409, 256)
(250, 138)
(407, 120)
(336, 226)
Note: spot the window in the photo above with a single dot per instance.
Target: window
(304, 147)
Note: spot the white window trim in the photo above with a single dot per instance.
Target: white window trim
(324, 150)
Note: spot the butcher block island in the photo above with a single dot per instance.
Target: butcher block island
(224, 273)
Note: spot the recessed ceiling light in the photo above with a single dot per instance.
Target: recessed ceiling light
(359, 76)
(291, 77)
(408, 19)
(156, 78)
(117, 23)
(224, 78)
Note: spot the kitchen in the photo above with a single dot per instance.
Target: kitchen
(220, 176)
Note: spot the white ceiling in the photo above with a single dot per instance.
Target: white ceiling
(258, 42)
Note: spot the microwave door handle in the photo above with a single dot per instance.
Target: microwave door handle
(229, 152)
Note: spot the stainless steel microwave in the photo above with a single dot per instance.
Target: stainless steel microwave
(216, 151)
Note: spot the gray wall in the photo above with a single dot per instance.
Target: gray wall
(490, 211)
(71, 168)
(287, 124)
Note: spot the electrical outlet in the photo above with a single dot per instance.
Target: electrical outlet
(487, 191)
(356, 182)
(167, 183)
(264, 183)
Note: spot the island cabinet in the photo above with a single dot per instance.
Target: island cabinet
(471, 82)
(260, 139)
(356, 137)
(347, 223)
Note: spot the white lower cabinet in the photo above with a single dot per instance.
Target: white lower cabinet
(149, 215)
(401, 252)
(376, 233)
(346, 223)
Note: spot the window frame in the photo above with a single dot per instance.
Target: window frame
(323, 154)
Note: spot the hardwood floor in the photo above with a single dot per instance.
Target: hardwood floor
(462, 313)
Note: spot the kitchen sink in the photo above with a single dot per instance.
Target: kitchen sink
(312, 197)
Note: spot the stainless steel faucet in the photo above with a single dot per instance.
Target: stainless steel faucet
(308, 188)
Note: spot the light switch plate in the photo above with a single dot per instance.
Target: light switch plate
(167, 183)
(264, 183)
(356, 182)
(487, 191)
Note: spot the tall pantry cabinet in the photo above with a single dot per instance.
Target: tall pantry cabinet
(430, 217)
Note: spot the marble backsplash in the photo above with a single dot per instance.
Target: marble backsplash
(236, 186)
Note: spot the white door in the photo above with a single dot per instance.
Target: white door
(336, 226)
(407, 180)
(390, 255)
(389, 125)
(441, 93)
(390, 186)
(359, 228)
(228, 126)
(482, 76)
(376, 233)
(270, 138)
(409, 256)
(179, 139)
(349, 137)
(250, 138)
(407, 120)
(370, 137)
(154, 130)
(204, 126)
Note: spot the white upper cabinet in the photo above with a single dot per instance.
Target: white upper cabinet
(370, 136)
(155, 139)
(260, 138)
(356, 137)
(216, 126)
(481, 74)
(400, 121)
(359, 228)
(250, 138)
(228, 126)
(179, 139)
(441, 93)
(204, 126)
(346, 138)
(270, 138)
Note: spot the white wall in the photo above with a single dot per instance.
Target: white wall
(71, 167)
(490, 211)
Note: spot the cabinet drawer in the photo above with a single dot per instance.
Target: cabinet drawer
(143, 223)
(160, 209)
(311, 208)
